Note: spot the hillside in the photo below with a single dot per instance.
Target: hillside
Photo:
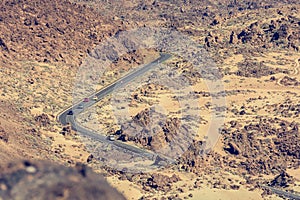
(253, 45)
(49, 31)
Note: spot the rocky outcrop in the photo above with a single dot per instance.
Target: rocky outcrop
(192, 160)
(153, 138)
(282, 180)
(250, 68)
(262, 147)
(160, 182)
(44, 180)
(288, 81)
(255, 148)
(233, 149)
(66, 130)
(49, 31)
(281, 33)
(142, 118)
(3, 45)
(286, 109)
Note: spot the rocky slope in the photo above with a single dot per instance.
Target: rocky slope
(49, 31)
(282, 180)
(44, 180)
(17, 140)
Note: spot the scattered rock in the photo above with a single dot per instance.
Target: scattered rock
(90, 158)
(233, 149)
(234, 187)
(282, 180)
(3, 45)
(288, 81)
(42, 120)
(66, 131)
(44, 29)
(3, 135)
(161, 182)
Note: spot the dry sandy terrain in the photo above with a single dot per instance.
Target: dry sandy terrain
(253, 45)
(256, 96)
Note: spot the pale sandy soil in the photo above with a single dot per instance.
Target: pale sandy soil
(129, 190)
(296, 174)
(256, 95)
(39, 88)
(213, 194)
(102, 118)
(51, 98)
(133, 192)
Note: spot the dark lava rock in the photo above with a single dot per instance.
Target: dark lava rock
(42, 120)
(90, 158)
(44, 180)
(3, 45)
(233, 149)
(3, 135)
(282, 180)
(242, 112)
(161, 182)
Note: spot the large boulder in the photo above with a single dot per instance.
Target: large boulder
(44, 180)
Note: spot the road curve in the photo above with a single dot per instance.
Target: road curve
(279, 192)
(65, 119)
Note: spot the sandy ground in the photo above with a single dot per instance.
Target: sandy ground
(256, 94)
(40, 88)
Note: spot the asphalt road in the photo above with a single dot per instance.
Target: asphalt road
(65, 119)
(283, 193)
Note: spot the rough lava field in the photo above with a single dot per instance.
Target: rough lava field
(253, 45)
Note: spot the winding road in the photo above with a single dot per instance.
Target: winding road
(279, 192)
(65, 118)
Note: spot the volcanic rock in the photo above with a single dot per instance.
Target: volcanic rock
(282, 180)
(42, 120)
(44, 180)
